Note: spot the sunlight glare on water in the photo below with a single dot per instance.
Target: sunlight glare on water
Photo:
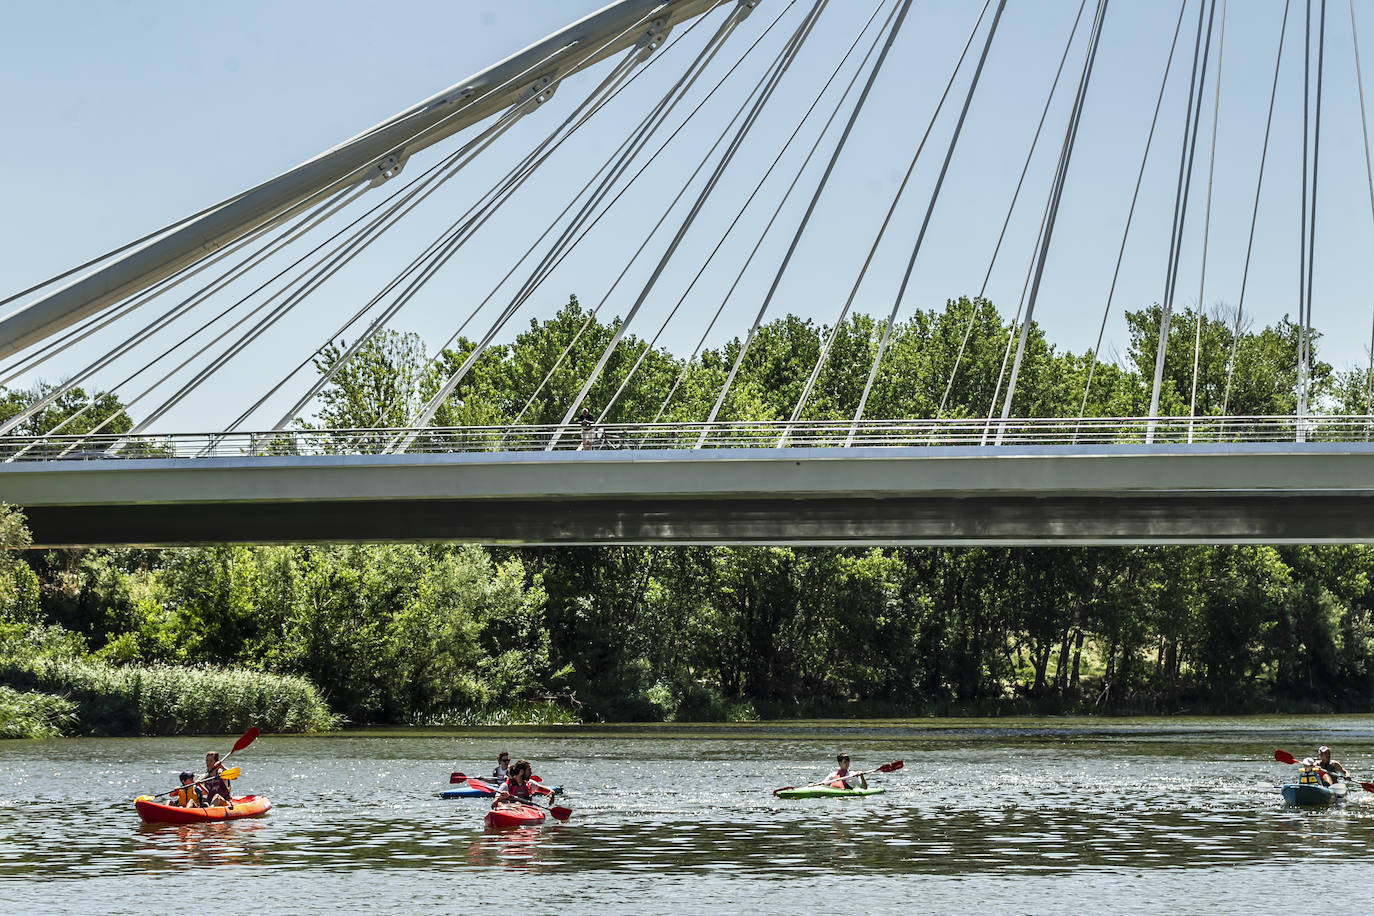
(1022, 816)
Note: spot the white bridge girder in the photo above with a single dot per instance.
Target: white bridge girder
(1123, 494)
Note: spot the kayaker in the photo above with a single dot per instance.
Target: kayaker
(1309, 774)
(215, 787)
(1329, 767)
(502, 767)
(840, 779)
(518, 787)
(189, 795)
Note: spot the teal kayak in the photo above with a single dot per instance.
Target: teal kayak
(825, 792)
(1307, 796)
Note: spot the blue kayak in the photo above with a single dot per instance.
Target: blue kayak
(1307, 796)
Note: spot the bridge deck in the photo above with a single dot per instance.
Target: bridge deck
(1098, 494)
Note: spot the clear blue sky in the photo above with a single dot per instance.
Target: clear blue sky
(122, 116)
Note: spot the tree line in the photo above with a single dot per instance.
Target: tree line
(466, 634)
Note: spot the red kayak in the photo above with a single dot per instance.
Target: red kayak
(515, 816)
(154, 812)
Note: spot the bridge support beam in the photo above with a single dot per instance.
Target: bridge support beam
(1004, 520)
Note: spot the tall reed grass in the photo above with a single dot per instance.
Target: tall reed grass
(34, 715)
(166, 700)
(518, 713)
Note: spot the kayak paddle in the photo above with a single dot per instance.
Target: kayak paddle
(245, 739)
(1283, 756)
(231, 773)
(463, 777)
(885, 768)
(490, 789)
(485, 785)
(559, 812)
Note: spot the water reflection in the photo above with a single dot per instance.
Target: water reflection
(162, 846)
(987, 801)
(519, 848)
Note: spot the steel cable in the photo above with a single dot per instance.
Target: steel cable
(811, 207)
(1254, 213)
(887, 220)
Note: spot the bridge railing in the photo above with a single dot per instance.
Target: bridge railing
(679, 436)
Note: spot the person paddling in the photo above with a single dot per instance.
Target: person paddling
(840, 779)
(189, 795)
(1331, 769)
(216, 788)
(502, 770)
(518, 788)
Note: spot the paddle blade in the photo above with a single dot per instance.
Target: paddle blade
(889, 767)
(1284, 757)
(560, 813)
(1367, 786)
(457, 777)
(783, 789)
(478, 784)
(248, 738)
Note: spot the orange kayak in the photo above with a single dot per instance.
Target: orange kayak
(154, 812)
(514, 816)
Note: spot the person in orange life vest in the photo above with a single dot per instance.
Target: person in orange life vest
(189, 795)
(518, 788)
(840, 779)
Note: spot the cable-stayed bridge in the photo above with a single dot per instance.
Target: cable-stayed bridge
(723, 178)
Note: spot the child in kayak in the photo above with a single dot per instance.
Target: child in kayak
(1309, 774)
(189, 795)
(215, 787)
(840, 779)
(518, 787)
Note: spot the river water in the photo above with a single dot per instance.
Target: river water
(1002, 816)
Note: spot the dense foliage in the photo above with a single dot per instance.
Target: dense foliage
(461, 634)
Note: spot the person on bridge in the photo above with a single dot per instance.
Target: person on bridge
(518, 787)
(588, 423)
(1331, 769)
(840, 779)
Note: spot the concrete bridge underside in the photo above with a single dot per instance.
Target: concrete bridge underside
(1129, 494)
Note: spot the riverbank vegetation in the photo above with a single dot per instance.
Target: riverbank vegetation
(132, 641)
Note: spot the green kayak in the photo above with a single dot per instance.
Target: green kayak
(824, 792)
